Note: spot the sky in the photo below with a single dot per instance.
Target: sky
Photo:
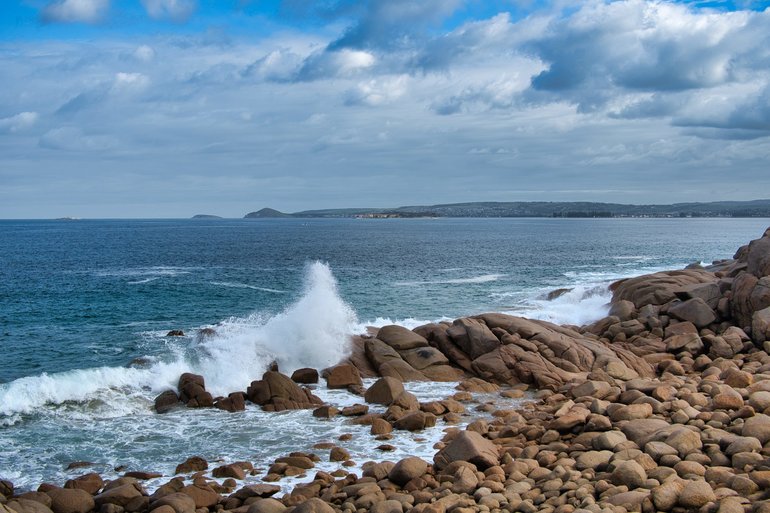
(170, 108)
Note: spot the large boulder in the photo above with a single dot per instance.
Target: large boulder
(120, 496)
(179, 502)
(384, 391)
(192, 391)
(388, 361)
(423, 357)
(166, 401)
(277, 392)
(758, 256)
(313, 505)
(658, 288)
(468, 446)
(407, 469)
(760, 326)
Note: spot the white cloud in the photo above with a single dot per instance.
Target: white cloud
(75, 11)
(130, 82)
(144, 53)
(377, 92)
(19, 123)
(73, 139)
(174, 10)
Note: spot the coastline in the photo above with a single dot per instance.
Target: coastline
(593, 440)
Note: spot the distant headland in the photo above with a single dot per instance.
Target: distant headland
(755, 208)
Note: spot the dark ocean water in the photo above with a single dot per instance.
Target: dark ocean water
(81, 300)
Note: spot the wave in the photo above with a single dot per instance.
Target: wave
(485, 278)
(312, 332)
(146, 280)
(245, 286)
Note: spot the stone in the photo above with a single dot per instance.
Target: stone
(179, 502)
(70, 500)
(233, 402)
(407, 469)
(412, 421)
(338, 454)
(689, 342)
(760, 326)
(684, 440)
(381, 427)
(696, 494)
(471, 447)
(631, 412)
(387, 506)
(758, 427)
(313, 505)
(91, 482)
(325, 412)
(192, 464)
(119, 496)
(595, 389)
(21, 505)
(473, 337)
(203, 495)
(277, 392)
(342, 376)
(666, 496)
(400, 338)
(384, 391)
(232, 470)
(595, 460)
(266, 506)
(727, 399)
(166, 401)
(629, 473)
(421, 358)
(695, 310)
(658, 288)
(609, 440)
(305, 376)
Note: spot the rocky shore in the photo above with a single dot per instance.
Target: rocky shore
(664, 405)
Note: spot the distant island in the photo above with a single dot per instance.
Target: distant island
(205, 216)
(755, 208)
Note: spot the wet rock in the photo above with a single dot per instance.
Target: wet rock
(277, 392)
(381, 427)
(202, 494)
(192, 464)
(119, 496)
(339, 454)
(305, 376)
(473, 337)
(342, 376)
(412, 421)
(6, 488)
(178, 502)
(233, 470)
(658, 288)
(175, 333)
(384, 391)
(325, 412)
(355, 410)
(166, 401)
(233, 402)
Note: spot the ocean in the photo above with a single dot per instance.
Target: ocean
(85, 307)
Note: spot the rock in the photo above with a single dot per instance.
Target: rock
(192, 391)
(629, 473)
(412, 421)
(696, 494)
(313, 505)
(91, 483)
(407, 469)
(192, 464)
(22, 505)
(689, 342)
(119, 496)
(400, 338)
(6, 488)
(684, 440)
(342, 376)
(306, 376)
(473, 337)
(609, 440)
(758, 427)
(338, 454)
(232, 470)
(381, 427)
(422, 358)
(266, 506)
(384, 391)
(179, 502)
(471, 447)
(166, 401)
(595, 389)
(355, 410)
(760, 326)
(325, 412)
(175, 333)
(277, 392)
(708, 292)
(658, 288)
(233, 402)
(728, 399)
(696, 311)
(758, 256)
(623, 309)
(70, 500)
(203, 495)
(630, 501)
(631, 412)
(596, 460)
(666, 496)
(387, 506)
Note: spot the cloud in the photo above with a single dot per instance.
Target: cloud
(20, 122)
(336, 63)
(377, 92)
(73, 139)
(174, 10)
(75, 11)
(144, 53)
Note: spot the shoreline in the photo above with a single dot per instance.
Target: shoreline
(659, 405)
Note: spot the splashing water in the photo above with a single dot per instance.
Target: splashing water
(313, 332)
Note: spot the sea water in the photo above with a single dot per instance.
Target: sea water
(85, 307)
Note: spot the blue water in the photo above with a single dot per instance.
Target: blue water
(81, 300)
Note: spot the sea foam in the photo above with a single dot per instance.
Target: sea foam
(312, 332)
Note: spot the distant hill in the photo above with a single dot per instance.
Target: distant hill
(755, 208)
(266, 212)
(205, 216)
